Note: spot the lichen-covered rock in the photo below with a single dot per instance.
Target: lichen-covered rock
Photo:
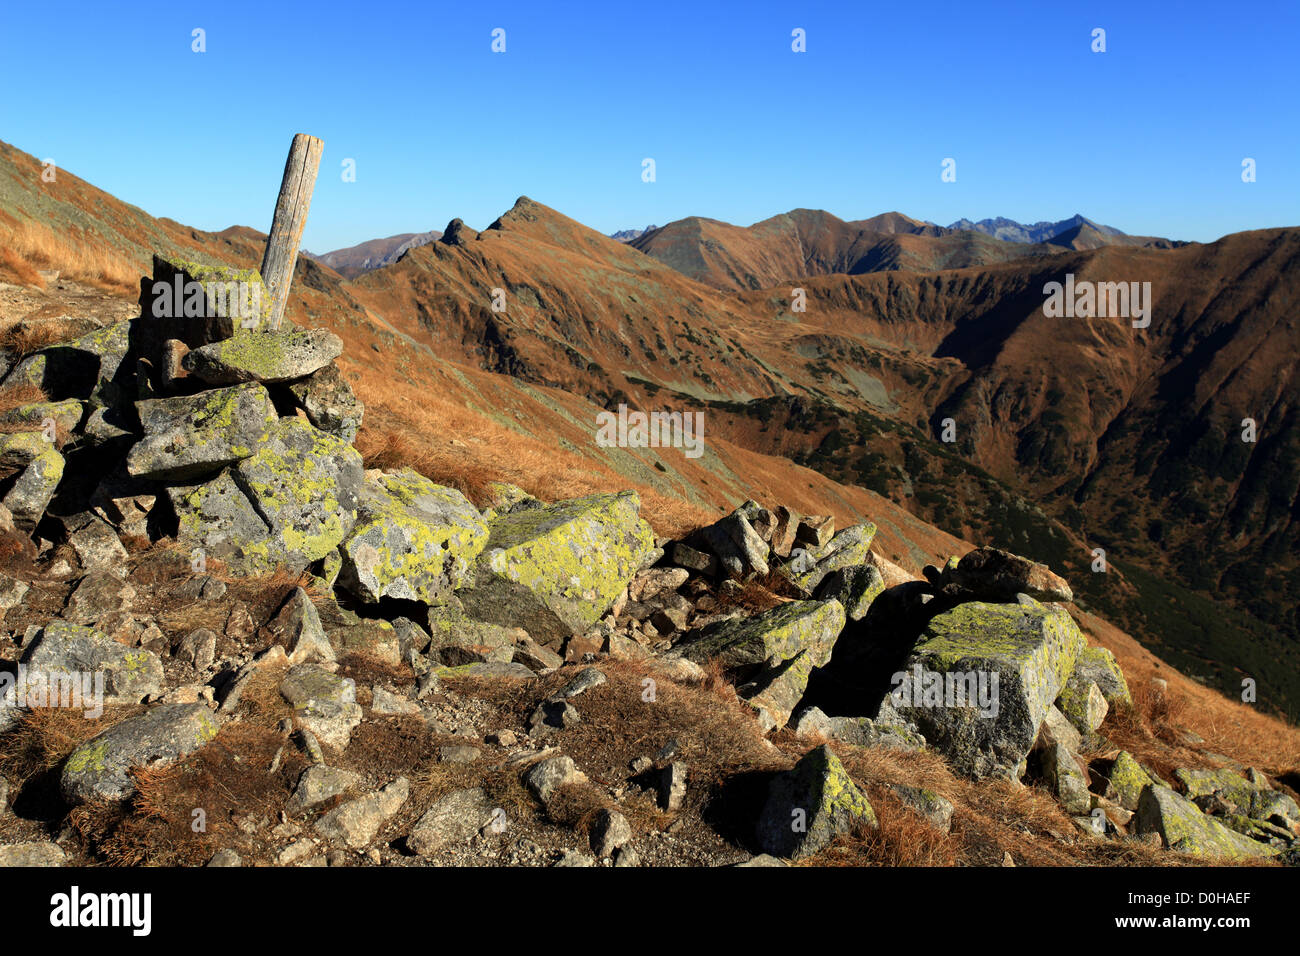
(555, 570)
(776, 691)
(40, 468)
(305, 484)
(1184, 829)
(412, 539)
(192, 435)
(457, 639)
(329, 402)
(66, 415)
(847, 549)
(1098, 666)
(996, 575)
(323, 703)
(1277, 808)
(65, 653)
(1126, 781)
(855, 587)
(1083, 705)
(100, 768)
(217, 518)
(1066, 779)
(507, 670)
(1015, 655)
(810, 805)
(1226, 784)
(740, 550)
(197, 303)
(89, 366)
(264, 356)
(744, 644)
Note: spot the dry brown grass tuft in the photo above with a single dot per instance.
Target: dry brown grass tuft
(228, 778)
(32, 751)
(16, 396)
(754, 597)
(39, 247)
(24, 338)
(22, 271)
(390, 450)
(904, 837)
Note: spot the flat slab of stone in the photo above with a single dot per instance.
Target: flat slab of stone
(100, 768)
(264, 356)
(358, 821)
(777, 635)
(452, 820)
(66, 656)
(192, 436)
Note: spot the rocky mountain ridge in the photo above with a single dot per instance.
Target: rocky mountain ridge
(371, 669)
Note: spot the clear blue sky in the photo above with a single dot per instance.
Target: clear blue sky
(1148, 136)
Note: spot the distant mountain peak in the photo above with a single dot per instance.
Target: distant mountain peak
(374, 253)
(1009, 230)
(627, 235)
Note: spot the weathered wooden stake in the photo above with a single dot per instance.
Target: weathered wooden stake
(291, 208)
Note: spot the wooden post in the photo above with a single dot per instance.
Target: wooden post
(291, 208)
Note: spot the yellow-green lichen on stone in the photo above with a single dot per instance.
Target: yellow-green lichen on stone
(555, 570)
(413, 539)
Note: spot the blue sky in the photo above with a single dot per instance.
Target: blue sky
(1148, 136)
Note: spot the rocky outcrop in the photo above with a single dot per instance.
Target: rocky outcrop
(412, 539)
(810, 805)
(555, 570)
(981, 679)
